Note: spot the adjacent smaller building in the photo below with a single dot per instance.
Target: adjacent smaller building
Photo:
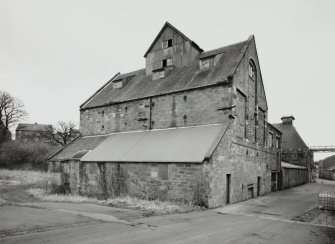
(33, 133)
(297, 158)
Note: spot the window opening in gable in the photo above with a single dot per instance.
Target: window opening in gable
(160, 74)
(252, 70)
(167, 43)
(167, 62)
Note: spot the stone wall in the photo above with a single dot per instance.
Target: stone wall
(250, 93)
(166, 181)
(197, 107)
(293, 177)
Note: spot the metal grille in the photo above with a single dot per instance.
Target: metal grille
(327, 200)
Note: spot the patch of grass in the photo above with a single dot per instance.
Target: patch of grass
(43, 195)
(23, 177)
(150, 207)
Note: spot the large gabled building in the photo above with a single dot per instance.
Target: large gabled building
(192, 126)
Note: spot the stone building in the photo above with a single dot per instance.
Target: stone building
(33, 133)
(296, 156)
(190, 126)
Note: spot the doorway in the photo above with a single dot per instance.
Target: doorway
(228, 183)
(258, 186)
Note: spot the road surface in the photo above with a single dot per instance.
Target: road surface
(288, 216)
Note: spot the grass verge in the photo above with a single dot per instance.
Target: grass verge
(23, 177)
(150, 207)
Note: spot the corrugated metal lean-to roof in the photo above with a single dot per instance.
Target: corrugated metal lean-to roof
(291, 166)
(187, 145)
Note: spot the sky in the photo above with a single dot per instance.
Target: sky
(56, 54)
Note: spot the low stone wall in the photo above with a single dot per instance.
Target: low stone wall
(327, 174)
(292, 177)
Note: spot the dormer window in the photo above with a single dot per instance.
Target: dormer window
(167, 43)
(117, 84)
(252, 70)
(167, 62)
(207, 63)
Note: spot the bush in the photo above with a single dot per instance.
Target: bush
(18, 155)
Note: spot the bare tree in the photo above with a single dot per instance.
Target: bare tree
(12, 111)
(63, 132)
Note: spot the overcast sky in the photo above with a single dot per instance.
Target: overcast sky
(55, 54)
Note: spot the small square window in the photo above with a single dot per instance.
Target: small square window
(167, 62)
(167, 43)
(102, 127)
(207, 63)
(117, 85)
(158, 75)
(161, 74)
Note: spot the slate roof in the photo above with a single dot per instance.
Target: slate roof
(77, 148)
(33, 127)
(291, 138)
(178, 79)
(173, 145)
(328, 163)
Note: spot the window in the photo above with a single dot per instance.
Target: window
(167, 62)
(278, 142)
(117, 84)
(252, 70)
(102, 127)
(207, 63)
(167, 43)
(102, 113)
(158, 75)
(270, 139)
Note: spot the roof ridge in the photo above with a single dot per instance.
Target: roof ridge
(178, 31)
(226, 46)
(243, 52)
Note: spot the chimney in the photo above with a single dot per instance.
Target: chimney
(287, 120)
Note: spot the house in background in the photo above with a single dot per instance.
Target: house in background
(190, 126)
(33, 133)
(297, 165)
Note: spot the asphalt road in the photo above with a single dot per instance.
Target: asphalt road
(268, 219)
